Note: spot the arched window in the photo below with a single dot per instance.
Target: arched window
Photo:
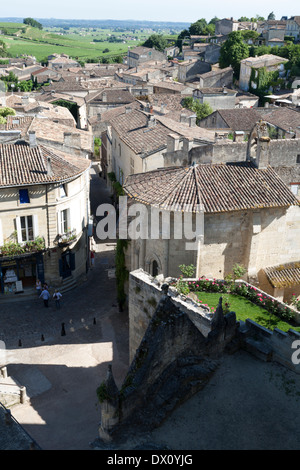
(154, 268)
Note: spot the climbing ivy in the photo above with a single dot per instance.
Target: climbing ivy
(263, 79)
(121, 271)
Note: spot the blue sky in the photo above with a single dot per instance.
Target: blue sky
(154, 10)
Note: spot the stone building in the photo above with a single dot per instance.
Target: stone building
(217, 98)
(140, 139)
(216, 78)
(44, 216)
(268, 61)
(246, 215)
(139, 55)
(293, 27)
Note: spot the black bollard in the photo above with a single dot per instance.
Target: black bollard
(42, 338)
(94, 321)
(20, 343)
(63, 332)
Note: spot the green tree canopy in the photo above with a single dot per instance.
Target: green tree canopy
(3, 50)
(157, 41)
(271, 16)
(233, 51)
(200, 109)
(33, 23)
(201, 27)
(4, 112)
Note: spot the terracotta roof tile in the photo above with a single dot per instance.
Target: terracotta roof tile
(22, 165)
(219, 187)
(284, 275)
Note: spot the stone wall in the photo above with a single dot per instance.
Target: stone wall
(144, 295)
(179, 346)
(276, 345)
(173, 361)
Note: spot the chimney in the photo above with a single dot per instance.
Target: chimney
(49, 167)
(238, 136)
(151, 121)
(172, 143)
(192, 120)
(183, 117)
(32, 139)
(263, 143)
(163, 108)
(25, 99)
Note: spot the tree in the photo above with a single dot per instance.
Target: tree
(181, 37)
(10, 79)
(4, 112)
(33, 23)
(271, 16)
(25, 85)
(233, 51)
(156, 41)
(198, 28)
(250, 34)
(3, 50)
(200, 109)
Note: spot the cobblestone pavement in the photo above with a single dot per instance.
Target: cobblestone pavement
(61, 372)
(27, 319)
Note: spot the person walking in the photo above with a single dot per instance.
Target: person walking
(45, 296)
(38, 286)
(57, 296)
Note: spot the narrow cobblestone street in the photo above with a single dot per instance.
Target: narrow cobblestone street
(61, 373)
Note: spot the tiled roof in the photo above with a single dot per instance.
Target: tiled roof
(240, 119)
(264, 60)
(213, 73)
(52, 131)
(282, 117)
(22, 165)
(52, 97)
(171, 101)
(21, 123)
(284, 275)
(185, 130)
(219, 187)
(69, 86)
(133, 130)
(113, 95)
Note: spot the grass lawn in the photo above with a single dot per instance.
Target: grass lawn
(244, 309)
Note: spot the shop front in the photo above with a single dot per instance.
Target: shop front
(19, 273)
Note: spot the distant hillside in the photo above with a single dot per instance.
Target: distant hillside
(130, 24)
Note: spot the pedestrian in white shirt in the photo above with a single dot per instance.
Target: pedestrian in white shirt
(57, 296)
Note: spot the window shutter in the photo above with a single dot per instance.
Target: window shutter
(58, 223)
(35, 226)
(1, 234)
(69, 220)
(18, 226)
